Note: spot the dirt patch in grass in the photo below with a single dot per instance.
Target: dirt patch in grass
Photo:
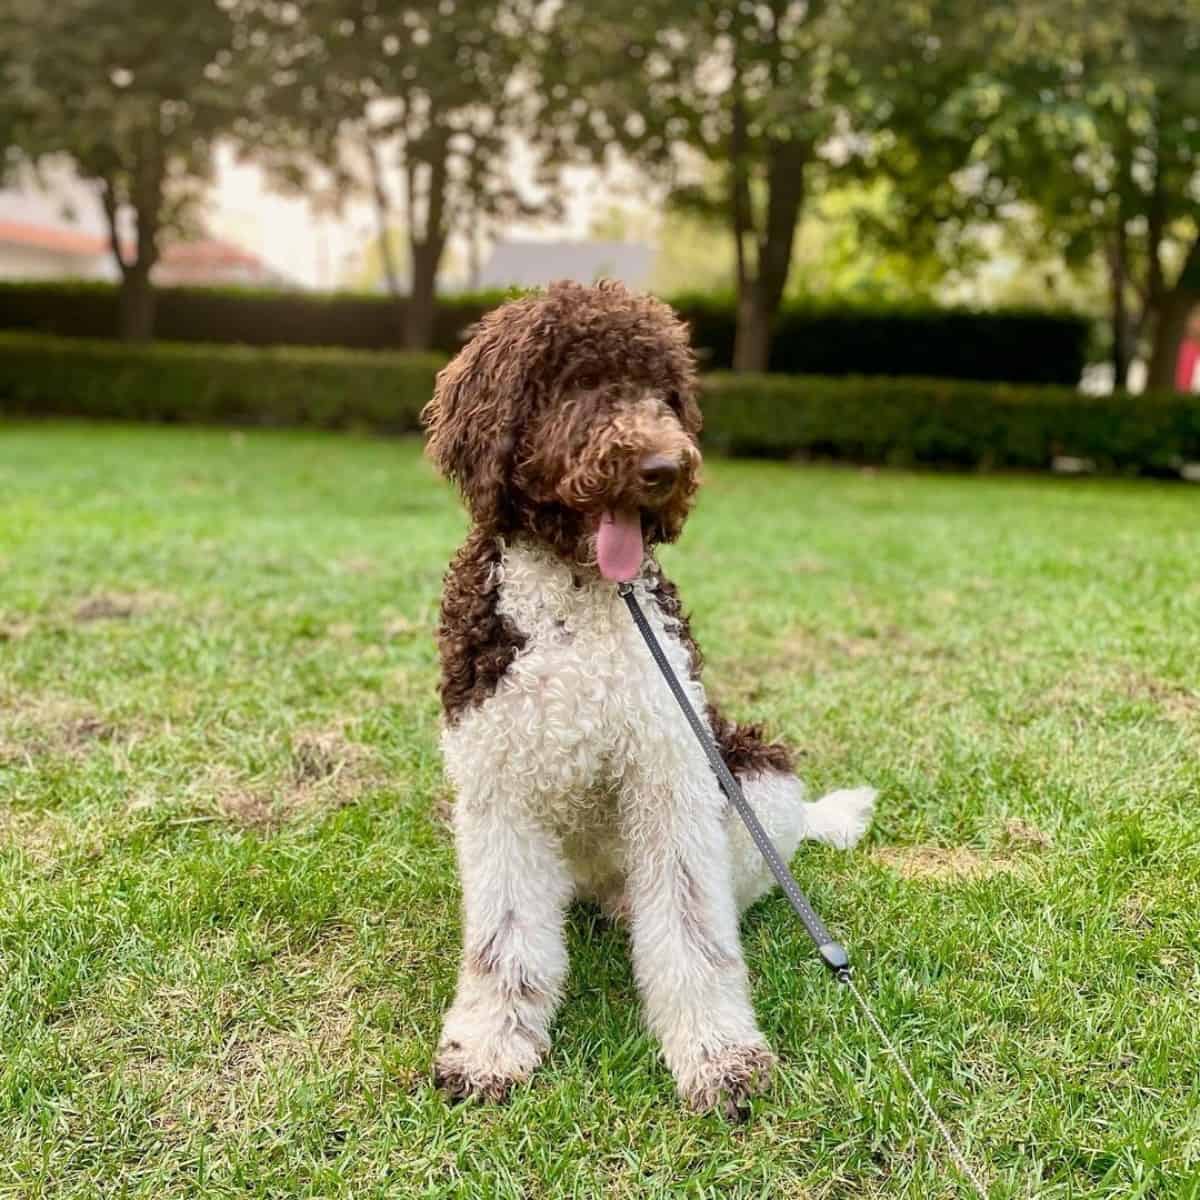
(798, 653)
(118, 606)
(42, 838)
(1024, 835)
(226, 1060)
(940, 864)
(325, 772)
(1136, 909)
(1176, 702)
(1093, 692)
(33, 727)
(441, 811)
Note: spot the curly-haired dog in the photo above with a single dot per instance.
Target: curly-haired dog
(570, 425)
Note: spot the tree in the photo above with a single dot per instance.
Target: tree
(745, 108)
(1086, 110)
(136, 94)
(416, 106)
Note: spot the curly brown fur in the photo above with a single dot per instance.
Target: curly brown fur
(475, 643)
(542, 419)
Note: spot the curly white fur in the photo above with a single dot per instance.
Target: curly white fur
(579, 776)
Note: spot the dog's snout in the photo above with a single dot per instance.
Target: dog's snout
(659, 472)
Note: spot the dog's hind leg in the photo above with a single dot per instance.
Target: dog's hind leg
(515, 889)
(839, 819)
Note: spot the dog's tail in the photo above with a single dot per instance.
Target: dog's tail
(840, 818)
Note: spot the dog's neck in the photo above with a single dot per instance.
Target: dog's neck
(538, 587)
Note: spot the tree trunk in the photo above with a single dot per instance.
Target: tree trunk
(422, 296)
(759, 297)
(752, 338)
(138, 303)
(1171, 323)
(425, 251)
(1120, 315)
(141, 191)
(1170, 326)
(383, 217)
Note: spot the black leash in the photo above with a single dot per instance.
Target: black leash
(831, 952)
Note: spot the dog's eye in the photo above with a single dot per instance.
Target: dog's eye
(587, 381)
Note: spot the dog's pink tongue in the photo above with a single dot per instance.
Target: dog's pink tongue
(619, 545)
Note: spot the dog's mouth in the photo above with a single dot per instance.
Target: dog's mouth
(620, 546)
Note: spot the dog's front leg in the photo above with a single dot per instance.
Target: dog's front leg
(515, 889)
(687, 955)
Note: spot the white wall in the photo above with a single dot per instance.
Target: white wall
(32, 262)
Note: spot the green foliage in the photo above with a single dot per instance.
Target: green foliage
(945, 423)
(415, 106)
(1015, 345)
(1084, 112)
(210, 385)
(881, 420)
(743, 110)
(133, 93)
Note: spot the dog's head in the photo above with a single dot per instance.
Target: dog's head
(571, 415)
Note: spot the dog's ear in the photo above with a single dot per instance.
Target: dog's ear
(688, 408)
(471, 434)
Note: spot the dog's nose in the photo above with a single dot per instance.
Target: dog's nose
(659, 472)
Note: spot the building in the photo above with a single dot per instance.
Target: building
(30, 251)
(211, 262)
(535, 264)
(52, 227)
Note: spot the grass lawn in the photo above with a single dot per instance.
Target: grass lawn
(228, 910)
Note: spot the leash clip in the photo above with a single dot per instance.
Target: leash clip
(834, 956)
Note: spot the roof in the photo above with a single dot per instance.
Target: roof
(535, 264)
(203, 261)
(208, 252)
(71, 242)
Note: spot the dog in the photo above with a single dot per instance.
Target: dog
(570, 425)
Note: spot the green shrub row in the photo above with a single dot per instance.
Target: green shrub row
(926, 422)
(948, 423)
(945, 343)
(239, 385)
(1016, 345)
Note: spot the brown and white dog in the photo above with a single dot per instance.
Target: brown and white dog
(570, 425)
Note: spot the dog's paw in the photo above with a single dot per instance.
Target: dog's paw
(466, 1075)
(725, 1081)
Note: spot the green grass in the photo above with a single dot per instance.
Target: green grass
(228, 911)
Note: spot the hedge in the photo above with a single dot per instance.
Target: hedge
(239, 385)
(947, 423)
(926, 422)
(1018, 346)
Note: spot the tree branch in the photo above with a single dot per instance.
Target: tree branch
(108, 199)
(739, 184)
(382, 214)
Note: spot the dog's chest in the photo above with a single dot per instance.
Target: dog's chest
(582, 708)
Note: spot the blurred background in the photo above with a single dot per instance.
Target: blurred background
(1004, 191)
